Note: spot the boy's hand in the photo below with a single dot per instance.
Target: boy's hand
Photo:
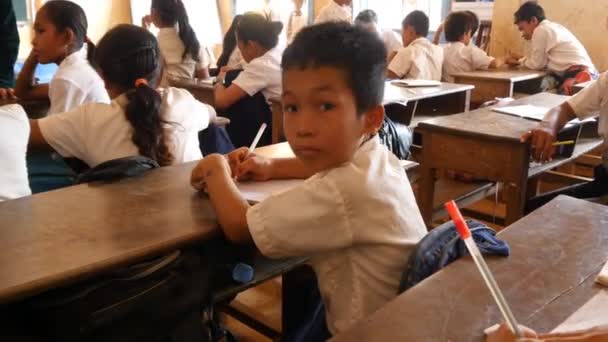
(541, 138)
(248, 166)
(503, 334)
(512, 61)
(7, 94)
(212, 165)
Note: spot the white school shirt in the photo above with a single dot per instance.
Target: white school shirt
(459, 57)
(14, 136)
(358, 223)
(295, 24)
(591, 100)
(262, 74)
(555, 48)
(334, 12)
(420, 60)
(96, 133)
(75, 83)
(391, 40)
(175, 65)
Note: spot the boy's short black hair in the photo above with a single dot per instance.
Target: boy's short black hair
(456, 25)
(367, 16)
(529, 10)
(359, 53)
(419, 21)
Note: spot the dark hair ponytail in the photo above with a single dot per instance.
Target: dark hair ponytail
(229, 43)
(173, 12)
(255, 27)
(128, 57)
(65, 15)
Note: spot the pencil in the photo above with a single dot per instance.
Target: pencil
(257, 137)
(562, 143)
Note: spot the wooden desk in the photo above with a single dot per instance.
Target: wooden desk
(57, 238)
(502, 82)
(429, 101)
(35, 109)
(555, 254)
(487, 145)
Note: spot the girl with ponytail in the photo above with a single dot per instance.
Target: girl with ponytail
(181, 51)
(161, 124)
(60, 33)
(244, 96)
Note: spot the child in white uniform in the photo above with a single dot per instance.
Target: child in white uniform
(60, 31)
(181, 51)
(356, 217)
(368, 19)
(161, 125)
(336, 10)
(419, 58)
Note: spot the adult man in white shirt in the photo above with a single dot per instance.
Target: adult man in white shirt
(552, 48)
(368, 19)
(336, 10)
(419, 59)
(585, 104)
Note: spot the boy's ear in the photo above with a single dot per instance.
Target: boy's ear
(374, 117)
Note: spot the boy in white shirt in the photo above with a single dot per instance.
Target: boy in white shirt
(587, 103)
(419, 58)
(460, 54)
(356, 216)
(552, 48)
(14, 133)
(336, 10)
(368, 19)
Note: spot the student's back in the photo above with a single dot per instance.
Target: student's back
(161, 125)
(75, 82)
(14, 132)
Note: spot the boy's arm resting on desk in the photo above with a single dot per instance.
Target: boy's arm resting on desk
(230, 206)
(544, 135)
(249, 166)
(226, 97)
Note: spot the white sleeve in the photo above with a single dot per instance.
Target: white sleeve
(308, 219)
(64, 96)
(393, 42)
(479, 58)
(253, 78)
(206, 58)
(402, 62)
(66, 132)
(589, 101)
(537, 58)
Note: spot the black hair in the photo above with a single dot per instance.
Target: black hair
(529, 10)
(419, 21)
(359, 53)
(126, 54)
(229, 43)
(474, 21)
(367, 16)
(173, 12)
(255, 27)
(66, 15)
(456, 25)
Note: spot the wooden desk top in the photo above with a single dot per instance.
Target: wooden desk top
(394, 93)
(502, 74)
(59, 237)
(35, 109)
(283, 150)
(555, 253)
(488, 124)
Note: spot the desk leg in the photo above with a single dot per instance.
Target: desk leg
(516, 191)
(464, 101)
(426, 194)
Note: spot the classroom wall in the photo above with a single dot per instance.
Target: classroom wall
(101, 14)
(588, 23)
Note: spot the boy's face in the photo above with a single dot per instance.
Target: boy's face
(527, 28)
(320, 117)
(408, 35)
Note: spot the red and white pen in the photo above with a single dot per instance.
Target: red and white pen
(465, 234)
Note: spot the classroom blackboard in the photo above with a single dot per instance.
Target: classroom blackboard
(20, 7)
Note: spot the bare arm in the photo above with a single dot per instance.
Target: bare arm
(249, 166)
(37, 141)
(24, 87)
